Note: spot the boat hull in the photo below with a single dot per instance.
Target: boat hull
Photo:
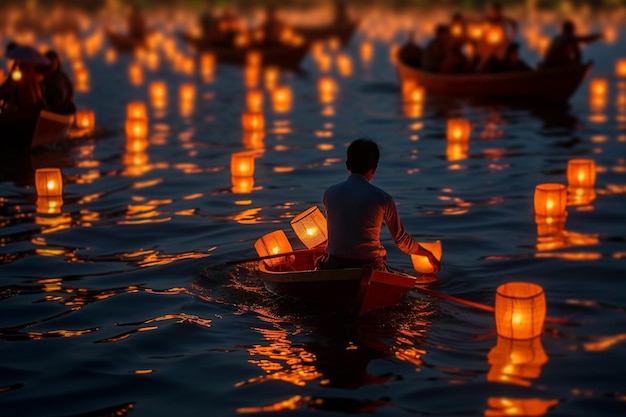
(553, 85)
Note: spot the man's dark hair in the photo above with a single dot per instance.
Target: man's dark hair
(363, 155)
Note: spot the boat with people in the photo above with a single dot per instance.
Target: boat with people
(549, 84)
(342, 31)
(125, 43)
(355, 291)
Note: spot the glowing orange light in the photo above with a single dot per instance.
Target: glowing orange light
(271, 75)
(516, 361)
(520, 310)
(242, 185)
(253, 139)
(254, 100)
(495, 35)
(207, 66)
(550, 200)
(252, 121)
(310, 227)
(136, 128)
(242, 164)
(136, 110)
(16, 74)
(581, 173)
(135, 73)
(81, 76)
(344, 65)
(274, 243)
(281, 99)
(158, 94)
(187, 93)
(458, 130)
(49, 182)
(251, 75)
(456, 30)
(327, 88)
(49, 205)
(254, 59)
(598, 87)
(416, 94)
(85, 119)
(620, 68)
(366, 52)
(421, 263)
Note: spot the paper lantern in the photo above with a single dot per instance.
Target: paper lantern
(516, 361)
(252, 121)
(421, 263)
(281, 99)
(327, 88)
(620, 68)
(274, 243)
(158, 94)
(251, 76)
(242, 164)
(136, 128)
(85, 119)
(48, 182)
(254, 100)
(581, 173)
(495, 35)
(458, 130)
(81, 76)
(550, 200)
(187, 93)
(416, 94)
(366, 51)
(598, 87)
(242, 185)
(135, 73)
(310, 227)
(270, 75)
(254, 59)
(136, 110)
(520, 310)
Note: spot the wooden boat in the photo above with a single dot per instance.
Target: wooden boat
(553, 85)
(124, 43)
(283, 56)
(356, 291)
(342, 31)
(23, 131)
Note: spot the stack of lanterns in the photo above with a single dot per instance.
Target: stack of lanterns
(242, 172)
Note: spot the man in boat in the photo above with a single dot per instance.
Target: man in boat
(437, 50)
(356, 211)
(58, 91)
(500, 31)
(565, 48)
(512, 60)
(136, 23)
(410, 53)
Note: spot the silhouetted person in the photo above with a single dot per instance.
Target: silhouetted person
(21, 93)
(273, 27)
(136, 23)
(436, 50)
(492, 44)
(410, 53)
(58, 91)
(340, 12)
(565, 48)
(512, 61)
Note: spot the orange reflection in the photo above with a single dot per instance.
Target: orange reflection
(252, 121)
(327, 88)
(251, 75)
(254, 100)
(521, 407)
(135, 74)
(620, 68)
(253, 139)
(158, 94)
(136, 110)
(49, 205)
(516, 361)
(242, 184)
(270, 77)
(457, 151)
(207, 67)
(366, 51)
(81, 79)
(281, 99)
(344, 65)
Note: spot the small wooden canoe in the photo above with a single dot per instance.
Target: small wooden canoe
(342, 31)
(553, 85)
(283, 56)
(24, 131)
(356, 291)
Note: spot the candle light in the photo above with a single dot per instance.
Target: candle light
(271, 75)
(520, 310)
(274, 243)
(598, 87)
(310, 227)
(421, 263)
(86, 119)
(458, 130)
(158, 94)
(254, 100)
(327, 88)
(252, 121)
(550, 200)
(581, 173)
(416, 94)
(207, 66)
(242, 164)
(136, 110)
(48, 182)
(136, 128)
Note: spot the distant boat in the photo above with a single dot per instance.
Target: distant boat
(125, 43)
(284, 56)
(342, 31)
(26, 131)
(553, 84)
(356, 291)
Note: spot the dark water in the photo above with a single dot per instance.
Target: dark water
(121, 303)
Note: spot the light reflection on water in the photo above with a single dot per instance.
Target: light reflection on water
(121, 286)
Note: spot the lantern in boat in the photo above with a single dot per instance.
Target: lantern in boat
(458, 130)
(367, 52)
(327, 88)
(520, 310)
(456, 29)
(254, 100)
(242, 185)
(270, 75)
(476, 31)
(135, 73)
(598, 87)
(158, 94)
(207, 66)
(516, 361)
(421, 263)
(550, 200)
(242, 164)
(136, 110)
(620, 68)
(48, 182)
(252, 121)
(85, 119)
(136, 129)
(581, 173)
(110, 56)
(281, 99)
(274, 243)
(310, 227)
(495, 35)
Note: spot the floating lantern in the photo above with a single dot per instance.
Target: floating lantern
(135, 74)
(254, 59)
(367, 52)
(327, 88)
(187, 93)
(550, 200)
(421, 263)
(49, 205)
(416, 94)
(136, 128)
(458, 130)
(310, 227)
(48, 182)
(620, 68)
(581, 173)
(158, 94)
(252, 121)
(85, 119)
(520, 310)
(242, 164)
(281, 99)
(136, 110)
(516, 361)
(274, 243)
(207, 66)
(251, 76)
(344, 65)
(271, 75)
(598, 87)
(254, 100)
(242, 185)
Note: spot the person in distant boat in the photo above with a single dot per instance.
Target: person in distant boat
(58, 91)
(500, 31)
(436, 50)
(340, 12)
(356, 211)
(410, 53)
(565, 48)
(136, 23)
(512, 60)
(208, 24)
(273, 27)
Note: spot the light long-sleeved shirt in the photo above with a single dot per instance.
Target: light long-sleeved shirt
(355, 212)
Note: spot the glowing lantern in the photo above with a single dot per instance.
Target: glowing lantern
(281, 99)
(251, 76)
(81, 76)
(516, 361)
(253, 139)
(344, 64)
(254, 100)
(495, 35)
(242, 185)
(253, 59)
(49, 205)
(110, 56)
(136, 128)
(187, 93)
(135, 74)
(327, 88)
(458, 130)
(16, 74)
(550, 200)
(158, 94)
(274, 243)
(421, 263)
(85, 119)
(620, 68)
(416, 94)
(242, 164)
(310, 227)
(136, 110)
(598, 87)
(207, 66)
(48, 182)
(271, 75)
(252, 121)
(581, 173)
(520, 310)
(456, 30)
(367, 52)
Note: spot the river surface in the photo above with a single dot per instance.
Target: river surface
(120, 302)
